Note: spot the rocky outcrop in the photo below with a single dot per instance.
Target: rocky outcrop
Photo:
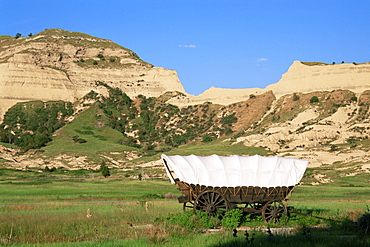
(300, 77)
(305, 78)
(61, 65)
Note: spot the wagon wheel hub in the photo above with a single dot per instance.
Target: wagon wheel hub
(210, 208)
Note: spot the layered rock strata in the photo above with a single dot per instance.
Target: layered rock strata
(61, 65)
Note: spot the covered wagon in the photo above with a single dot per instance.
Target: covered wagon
(216, 184)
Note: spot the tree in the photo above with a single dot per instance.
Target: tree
(314, 99)
(18, 35)
(30, 35)
(104, 170)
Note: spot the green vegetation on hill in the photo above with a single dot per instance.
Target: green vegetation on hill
(30, 125)
(87, 135)
(152, 124)
(114, 122)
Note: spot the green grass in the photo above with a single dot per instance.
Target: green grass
(219, 148)
(50, 209)
(330, 192)
(93, 190)
(99, 139)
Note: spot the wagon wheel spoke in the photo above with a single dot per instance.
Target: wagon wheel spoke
(211, 202)
(273, 211)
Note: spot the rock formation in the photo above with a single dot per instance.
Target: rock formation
(310, 77)
(301, 77)
(62, 65)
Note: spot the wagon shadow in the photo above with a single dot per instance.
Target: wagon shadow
(345, 233)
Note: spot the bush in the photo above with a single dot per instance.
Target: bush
(207, 138)
(233, 218)
(104, 170)
(314, 99)
(295, 97)
(364, 223)
(81, 140)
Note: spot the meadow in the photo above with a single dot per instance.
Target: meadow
(77, 209)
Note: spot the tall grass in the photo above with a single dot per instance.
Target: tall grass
(124, 212)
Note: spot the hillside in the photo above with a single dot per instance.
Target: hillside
(330, 129)
(301, 77)
(74, 101)
(62, 65)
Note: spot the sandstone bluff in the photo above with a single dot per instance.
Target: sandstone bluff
(62, 65)
(333, 131)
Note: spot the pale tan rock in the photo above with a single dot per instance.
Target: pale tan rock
(299, 78)
(50, 71)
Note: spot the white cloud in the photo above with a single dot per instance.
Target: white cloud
(188, 46)
(262, 59)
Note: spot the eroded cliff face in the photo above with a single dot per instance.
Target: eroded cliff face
(300, 78)
(310, 77)
(62, 65)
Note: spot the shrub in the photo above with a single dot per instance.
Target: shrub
(104, 170)
(101, 57)
(207, 138)
(364, 222)
(295, 97)
(230, 119)
(81, 140)
(233, 218)
(207, 221)
(314, 99)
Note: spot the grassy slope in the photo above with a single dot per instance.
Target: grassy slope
(105, 140)
(99, 140)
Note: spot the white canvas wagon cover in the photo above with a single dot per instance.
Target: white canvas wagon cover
(233, 171)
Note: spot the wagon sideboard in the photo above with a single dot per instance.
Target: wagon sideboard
(236, 195)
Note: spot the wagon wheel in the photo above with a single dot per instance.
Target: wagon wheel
(211, 202)
(188, 204)
(272, 211)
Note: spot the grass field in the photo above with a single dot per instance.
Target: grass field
(72, 209)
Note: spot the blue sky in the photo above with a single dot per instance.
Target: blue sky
(227, 44)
